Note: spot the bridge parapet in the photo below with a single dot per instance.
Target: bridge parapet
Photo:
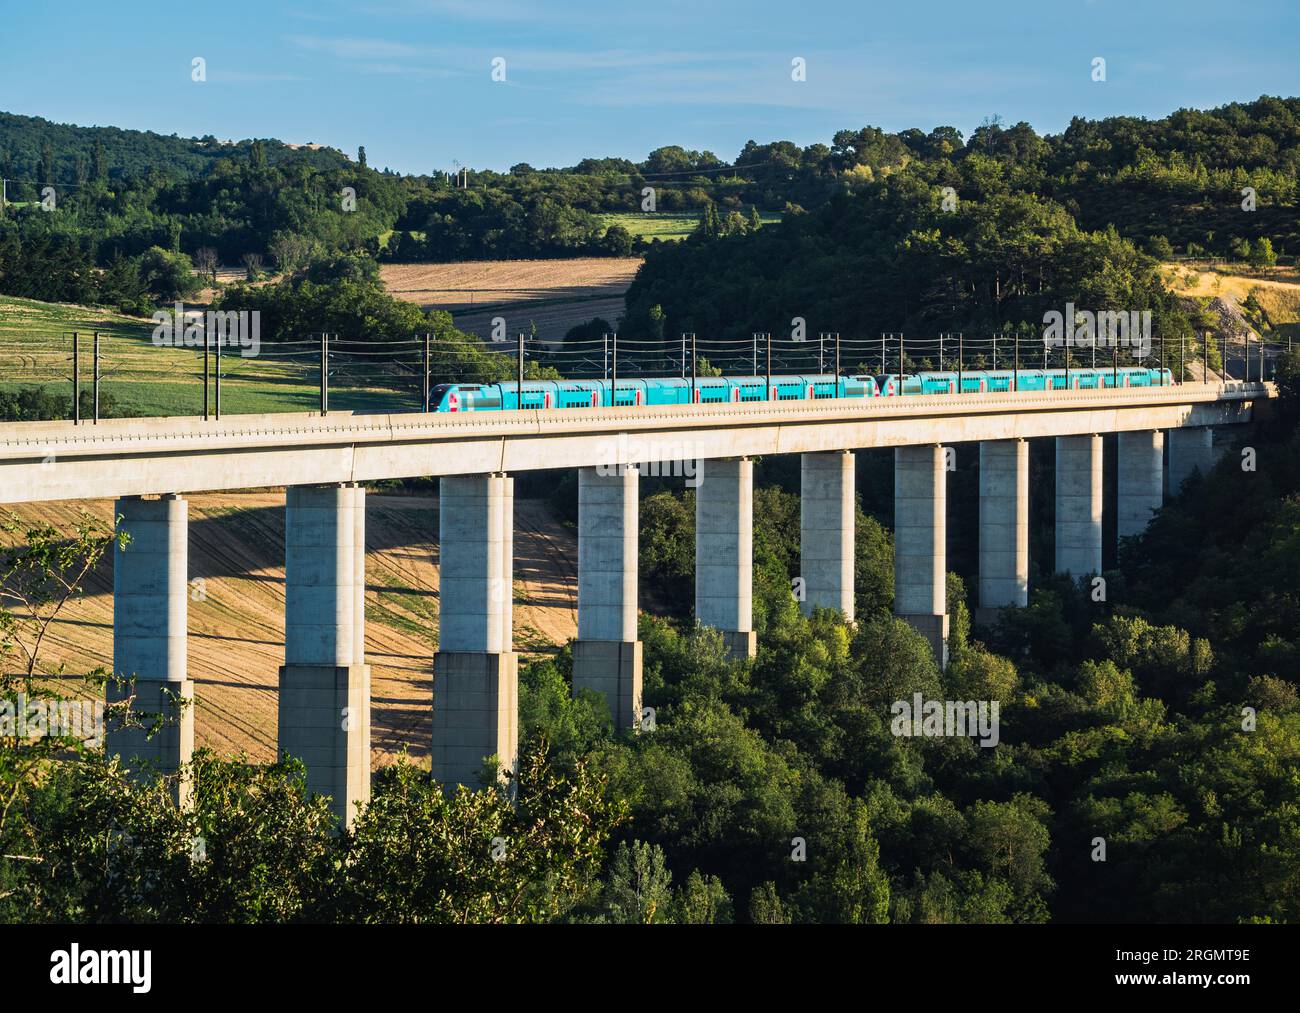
(133, 457)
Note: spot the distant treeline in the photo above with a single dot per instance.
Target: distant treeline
(140, 240)
(932, 234)
(131, 212)
(33, 149)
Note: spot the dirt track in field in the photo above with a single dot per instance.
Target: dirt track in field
(553, 294)
(236, 623)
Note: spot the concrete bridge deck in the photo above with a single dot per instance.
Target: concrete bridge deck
(134, 457)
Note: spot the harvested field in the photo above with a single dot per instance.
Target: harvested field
(236, 629)
(553, 294)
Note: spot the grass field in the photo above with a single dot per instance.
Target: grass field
(36, 349)
(664, 225)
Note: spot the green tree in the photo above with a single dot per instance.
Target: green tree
(42, 571)
(1160, 248)
(855, 890)
(1261, 253)
(1012, 838)
(617, 242)
(419, 854)
(638, 889)
(766, 907)
(167, 276)
(703, 901)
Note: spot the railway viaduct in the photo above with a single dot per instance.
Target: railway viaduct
(324, 686)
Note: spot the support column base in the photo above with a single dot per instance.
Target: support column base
(935, 629)
(475, 715)
(987, 615)
(324, 721)
(168, 748)
(613, 669)
(742, 644)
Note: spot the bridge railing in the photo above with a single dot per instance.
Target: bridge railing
(121, 369)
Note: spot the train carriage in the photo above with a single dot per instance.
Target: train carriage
(637, 391)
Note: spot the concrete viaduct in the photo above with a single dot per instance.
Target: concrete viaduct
(324, 708)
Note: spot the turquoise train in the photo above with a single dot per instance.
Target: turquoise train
(633, 391)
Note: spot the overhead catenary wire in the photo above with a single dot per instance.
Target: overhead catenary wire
(395, 365)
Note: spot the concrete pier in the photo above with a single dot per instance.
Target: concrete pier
(476, 671)
(920, 550)
(1139, 480)
(1004, 527)
(607, 653)
(150, 616)
(724, 552)
(1078, 505)
(1190, 450)
(324, 715)
(827, 514)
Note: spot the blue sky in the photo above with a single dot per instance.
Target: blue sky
(412, 79)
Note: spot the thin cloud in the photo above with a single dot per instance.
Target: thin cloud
(352, 48)
(249, 76)
(466, 10)
(530, 59)
(404, 70)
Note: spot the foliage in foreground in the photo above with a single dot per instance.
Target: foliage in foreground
(100, 845)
